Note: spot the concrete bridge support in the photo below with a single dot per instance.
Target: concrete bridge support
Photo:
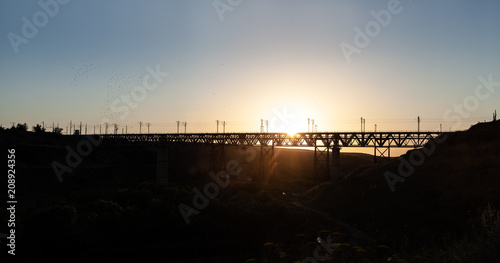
(162, 165)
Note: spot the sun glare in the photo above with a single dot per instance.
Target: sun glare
(290, 119)
(294, 128)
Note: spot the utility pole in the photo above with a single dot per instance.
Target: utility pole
(267, 126)
(363, 124)
(70, 126)
(440, 127)
(148, 124)
(217, 121)
(178, 122)
(80, 127)
(312, 125)
(43, 125)
(140, 127)
(116, 128)
(185, 126)
(106, 128)
(495, 116)
(53, 127)
(261, 125)
(85, 129)
(224, 127)
(418, 120)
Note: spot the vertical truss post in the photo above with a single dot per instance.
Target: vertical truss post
(175, 160)
(321, 159)
(162, 164)
(267, 162)
(327, 165)
(315, 172)
(335, 166)
(242, 160)
(217, 157)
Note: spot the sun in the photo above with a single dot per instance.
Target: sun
(293, 128)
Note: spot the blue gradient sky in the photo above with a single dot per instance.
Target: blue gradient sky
(266, 56)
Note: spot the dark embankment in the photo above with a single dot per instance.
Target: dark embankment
(445, 204)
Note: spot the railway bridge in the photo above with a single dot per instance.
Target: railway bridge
(326, 146)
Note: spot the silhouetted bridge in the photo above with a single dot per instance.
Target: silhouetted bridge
(324, 143)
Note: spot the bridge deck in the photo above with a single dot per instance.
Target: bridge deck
(317, 139)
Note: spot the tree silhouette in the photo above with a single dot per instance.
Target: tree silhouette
(38, 128)
(20, 127)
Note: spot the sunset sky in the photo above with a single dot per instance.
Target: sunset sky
(242, 61)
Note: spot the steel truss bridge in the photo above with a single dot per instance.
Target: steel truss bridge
(324, 143)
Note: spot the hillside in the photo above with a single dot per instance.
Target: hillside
(111, 208)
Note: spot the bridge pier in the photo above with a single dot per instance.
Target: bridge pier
(383, 152)
(162, 165)
(267, 162)
(217, 157)
(243, 162)
(335, 175)
(321, 160)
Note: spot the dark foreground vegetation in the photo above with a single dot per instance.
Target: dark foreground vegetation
(110, 208)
